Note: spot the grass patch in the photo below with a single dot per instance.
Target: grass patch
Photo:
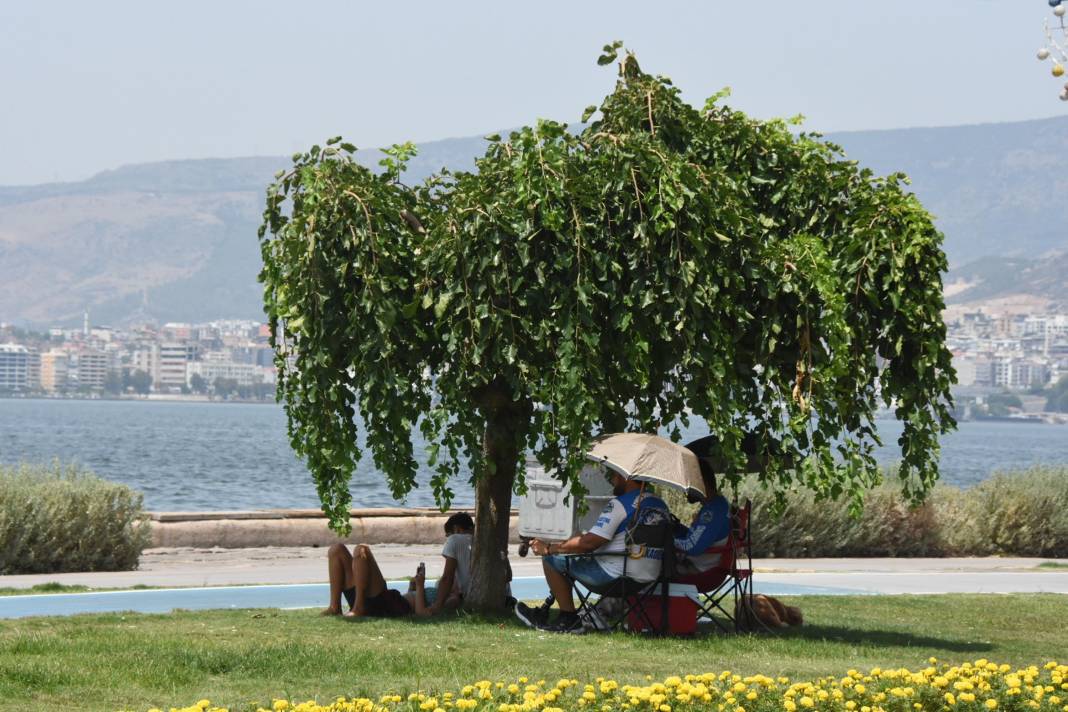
(56, 587)
(1052, 565)
(49, 587)
(135, 661)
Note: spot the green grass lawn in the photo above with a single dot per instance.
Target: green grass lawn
(134, 661)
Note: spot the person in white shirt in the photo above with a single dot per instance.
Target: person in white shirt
(603, 547)
(357, 577)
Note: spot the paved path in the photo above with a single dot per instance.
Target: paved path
(277, 565)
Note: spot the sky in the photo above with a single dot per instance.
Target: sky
(89, 86)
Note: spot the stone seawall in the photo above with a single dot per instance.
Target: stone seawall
(299, 527)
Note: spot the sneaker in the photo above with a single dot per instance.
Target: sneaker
(531, 617)
(565, 623)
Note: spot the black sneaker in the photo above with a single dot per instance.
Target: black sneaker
(564, 623)
(531, 617)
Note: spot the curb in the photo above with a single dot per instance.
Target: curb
(300, 527)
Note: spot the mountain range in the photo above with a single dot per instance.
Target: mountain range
(176, 240)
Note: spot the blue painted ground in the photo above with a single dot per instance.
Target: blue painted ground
(284, 596)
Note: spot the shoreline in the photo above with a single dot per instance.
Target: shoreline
(150, 398)
(1040, 418)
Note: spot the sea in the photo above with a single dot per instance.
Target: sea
(196, 456)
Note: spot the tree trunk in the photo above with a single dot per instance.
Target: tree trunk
(506, 420)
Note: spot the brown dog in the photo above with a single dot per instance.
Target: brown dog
(766, 610)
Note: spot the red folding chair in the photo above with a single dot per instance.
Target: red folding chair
(732, 597)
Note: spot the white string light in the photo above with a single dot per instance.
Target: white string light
(1054, 51)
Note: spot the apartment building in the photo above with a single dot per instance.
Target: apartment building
(174, 359)
(92, 369)
(14, 367)
(246, 374)
(54, 370)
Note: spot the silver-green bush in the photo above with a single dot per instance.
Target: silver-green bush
(1018, 513)
(59, 518)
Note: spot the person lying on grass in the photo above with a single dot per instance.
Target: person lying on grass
(357, 576)
(602, 562)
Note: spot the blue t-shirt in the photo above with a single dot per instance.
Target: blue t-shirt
(711, 527)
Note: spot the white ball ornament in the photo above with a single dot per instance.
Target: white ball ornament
(1059, 11)
(1064, 95)
(1043, 53)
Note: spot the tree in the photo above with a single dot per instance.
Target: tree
(198, 383)
(1057, 400)
(114, 383)
(662, 262)
(223, 387)
(139, 381)
(999, 405)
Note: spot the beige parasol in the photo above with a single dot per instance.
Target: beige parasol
(649, 458)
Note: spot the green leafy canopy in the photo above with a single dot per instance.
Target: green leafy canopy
(663, 263)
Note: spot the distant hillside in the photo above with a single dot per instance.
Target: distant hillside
(176, 241)
(991, 278)
(996, 189)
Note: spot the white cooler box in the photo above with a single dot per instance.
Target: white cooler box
(543, 513)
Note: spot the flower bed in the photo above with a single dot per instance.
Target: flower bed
(980, 685)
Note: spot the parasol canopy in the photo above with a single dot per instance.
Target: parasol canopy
(649, 458)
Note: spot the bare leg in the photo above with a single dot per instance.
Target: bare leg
(366, 578)
(339, 565)
(559, 587)
(418, 597)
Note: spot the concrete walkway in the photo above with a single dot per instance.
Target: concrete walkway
(182, 567)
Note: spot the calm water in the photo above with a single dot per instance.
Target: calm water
(218, 456)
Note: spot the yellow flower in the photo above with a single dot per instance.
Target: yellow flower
(991, 704)
(280, 705)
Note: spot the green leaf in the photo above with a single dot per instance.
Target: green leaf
(442, 304)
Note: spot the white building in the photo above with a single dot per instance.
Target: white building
(245, 374)
(174, 359)
(146, 358)
(14, 367)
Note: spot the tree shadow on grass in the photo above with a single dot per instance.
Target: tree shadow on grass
(451, 617)
(882, 638)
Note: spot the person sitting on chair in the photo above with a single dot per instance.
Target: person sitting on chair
(358, 577)
(710, 529)
(605, 553)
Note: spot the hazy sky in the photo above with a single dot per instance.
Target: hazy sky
(89, 86)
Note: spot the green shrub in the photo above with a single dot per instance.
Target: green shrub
(1019, 513)
(1015, 513)
(62, 518)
